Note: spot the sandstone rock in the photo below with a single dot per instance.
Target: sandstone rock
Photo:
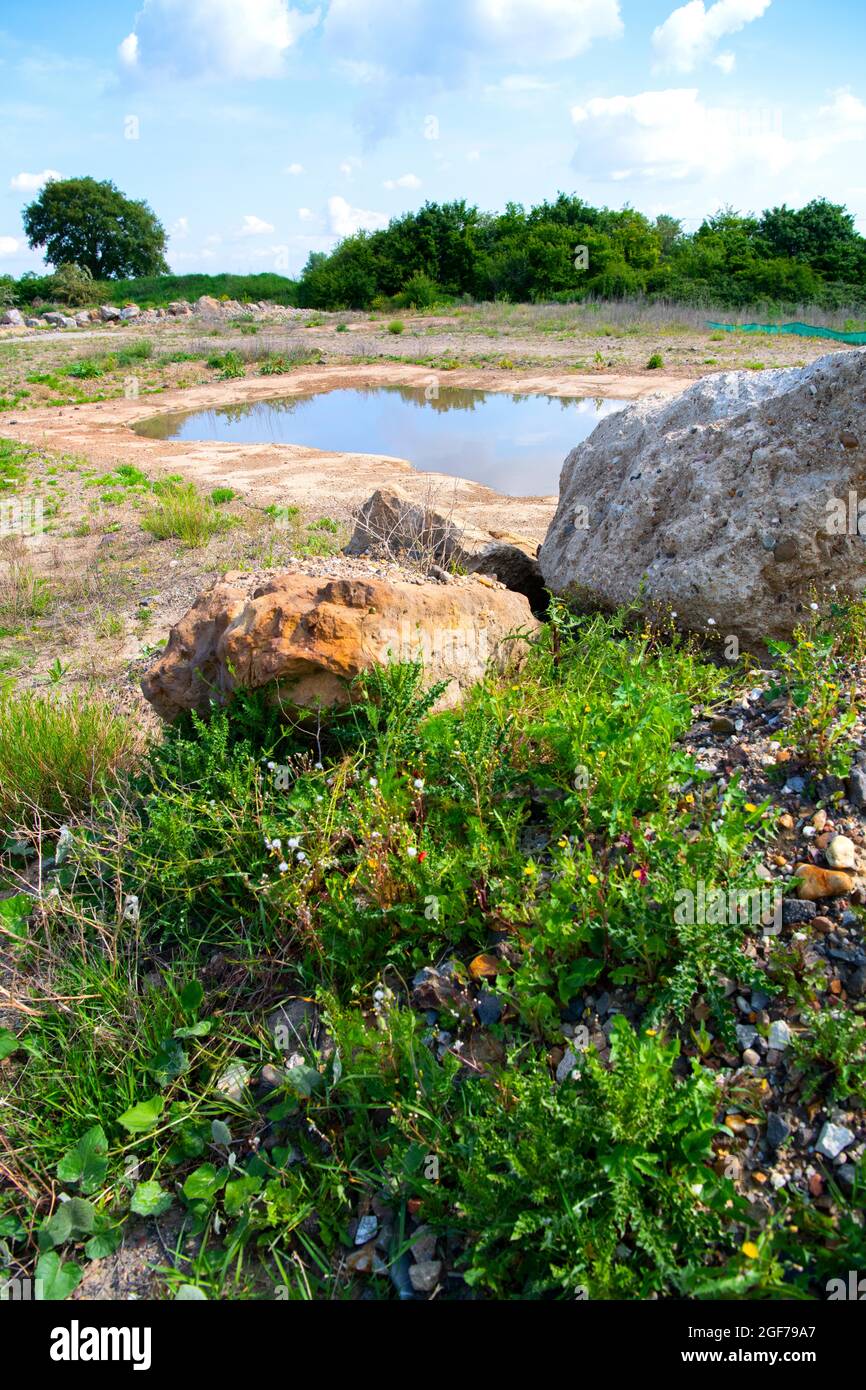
(179, 309)
(392, 523)
(130, 313)
(207, 305)
(313, 637)
(109, 313)
(730, 502)
(82, 318)
(11, 318)
(816, 883)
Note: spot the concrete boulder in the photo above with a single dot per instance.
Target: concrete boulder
(392, 523)
(730, 504)
(312, 637)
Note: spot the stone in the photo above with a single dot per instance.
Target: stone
(857, 788)
(294, 1024)
(746, 1035)
(667, 501)
(130, 313)
(817, 884)
(834, 1140)
(82, 318)
(779, 1036)
(208, 306)
(841, 853)
(778, 1130)
(179, 309)
(751, 1057)
(795, 913)
(12, 318)
(856, 984)
(109, 313)
(368, 1229)
(722, 725)
(425, 1275)
(392, 523)
(310, 638)
(424, 1245)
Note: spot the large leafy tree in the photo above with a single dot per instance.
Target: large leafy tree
(93, 225)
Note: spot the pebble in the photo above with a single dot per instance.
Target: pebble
(817, 884)
(233, 1081)
(841, 853)
(857, 788)
(746, 1035)
(751, 1058)
(778, 1130)
(368, 1227)
(794, 911)
(424, 1245)
(780, 1035)
(425, 1275)
(833, 1140)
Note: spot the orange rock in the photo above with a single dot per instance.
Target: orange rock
(485, 967)
(311, 638)
(816, 883)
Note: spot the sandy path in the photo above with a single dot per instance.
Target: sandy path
(332, 484)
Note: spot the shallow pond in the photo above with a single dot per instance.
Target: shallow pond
(512, 443)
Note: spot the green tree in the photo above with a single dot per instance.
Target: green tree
(93, 225)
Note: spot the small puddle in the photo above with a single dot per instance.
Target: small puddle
(514, 444)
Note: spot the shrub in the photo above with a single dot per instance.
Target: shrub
(656, 362)
(396, 327)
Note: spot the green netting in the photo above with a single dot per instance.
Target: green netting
(800, 330)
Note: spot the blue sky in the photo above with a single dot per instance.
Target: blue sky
(262, 129)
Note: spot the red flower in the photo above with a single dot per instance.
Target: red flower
(422, 856)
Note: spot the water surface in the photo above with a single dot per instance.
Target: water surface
(515, 444)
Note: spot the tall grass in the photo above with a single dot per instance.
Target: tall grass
(57, 755)
(183, 514)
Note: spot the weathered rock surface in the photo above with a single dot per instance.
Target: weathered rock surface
(313, 637)
(730, 502)
(392, 523)
(11, 318)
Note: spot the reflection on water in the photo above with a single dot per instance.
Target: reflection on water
(515, 444)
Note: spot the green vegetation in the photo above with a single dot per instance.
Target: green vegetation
(91, 225)
(183, 513)
(57, 755)
(530, 844)
(567, 250)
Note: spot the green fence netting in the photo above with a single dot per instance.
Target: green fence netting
(800, 330)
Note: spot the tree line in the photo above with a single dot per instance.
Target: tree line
(567, 250)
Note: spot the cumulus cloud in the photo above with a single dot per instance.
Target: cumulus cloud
(9, 246)
(180, 228)
(437, 37)
(673, 136)
(31, 183)
(346, 220)
(689, 35)
(306, 215)
(295, 169)
(214, 38)
(404, 181)
(255, 226)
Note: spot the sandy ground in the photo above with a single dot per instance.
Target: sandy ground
(336, 483)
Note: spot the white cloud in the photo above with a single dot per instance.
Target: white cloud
(306, 215)
(673, 136)
(295, 169)
(9, 246)
(255, 226)
(220, 39)
(127, 51)
(31, 183)
(423, 37)
(846, 110)
(180, 228)
(346, 220)
(689, 35)
(725, 62)
(405, 181)
(518, 84)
